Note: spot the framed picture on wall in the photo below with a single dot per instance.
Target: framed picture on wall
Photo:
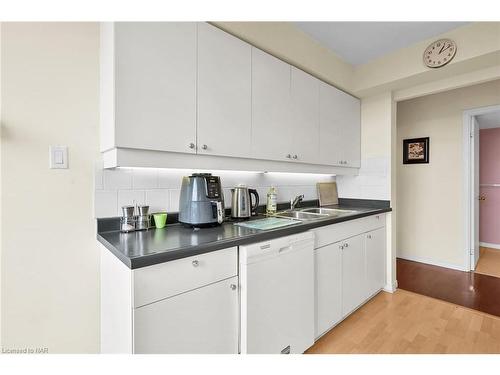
(416, 151)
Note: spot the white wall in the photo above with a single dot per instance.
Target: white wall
(50, 260)
(160, 188)
(430, 196)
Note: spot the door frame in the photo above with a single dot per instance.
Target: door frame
(468, 181)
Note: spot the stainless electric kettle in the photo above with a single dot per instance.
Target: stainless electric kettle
(241, 203)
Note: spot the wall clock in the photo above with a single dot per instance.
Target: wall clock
(439, 53)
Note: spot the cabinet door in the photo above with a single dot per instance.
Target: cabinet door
(271, 136)
(375, 260)
(155, 85)
(353, 274)
(351, 130)
(328, 274)
(305, 117)
(203, 320)
(224, 93)
(340, 136)
(331, 121)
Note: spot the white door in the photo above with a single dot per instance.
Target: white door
(328, 274)
(155, 85)
(224, 93)
(476, 194)
(353, 274)
(203, 320)
(351, 129)
(375, 251)
(305, 117)
(331, 120)
(340, 127)
(271, 136)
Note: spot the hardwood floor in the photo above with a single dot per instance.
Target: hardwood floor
(489, 262)
(405, 322)
(469, 289)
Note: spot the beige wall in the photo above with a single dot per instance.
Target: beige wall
(478, 48)
(289, 43)
(50, 262)
(430, 196)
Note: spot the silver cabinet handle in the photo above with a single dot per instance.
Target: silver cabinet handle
(204, 147)
(232, 286)
(195, 263)
(191, 145)
(288, 156)
(346, 245)
(341, 247)
(295, 156)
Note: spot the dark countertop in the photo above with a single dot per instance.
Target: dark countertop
(175, 241)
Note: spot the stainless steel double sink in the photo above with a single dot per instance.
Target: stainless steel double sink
(308, 214)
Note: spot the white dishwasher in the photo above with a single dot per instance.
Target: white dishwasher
(277, 295)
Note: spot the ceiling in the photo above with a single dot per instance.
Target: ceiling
(360, 42)
(489, 120)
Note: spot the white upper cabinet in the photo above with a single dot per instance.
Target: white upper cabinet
(271, 107)
(305, 117)
(351, 131)
(224, 93)
(191, 88)
(340, 136)
(154, 85)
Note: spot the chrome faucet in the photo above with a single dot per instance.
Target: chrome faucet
(295, 201)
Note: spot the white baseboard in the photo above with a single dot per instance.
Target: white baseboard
(391, 288)
(433, 262)
(490, 245)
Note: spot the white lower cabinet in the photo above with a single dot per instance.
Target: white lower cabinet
(375, 245)
(188, 305)
(201, 321)
(353, 274)
(328, 296)
(350, 267)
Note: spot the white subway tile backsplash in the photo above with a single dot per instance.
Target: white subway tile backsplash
(105, 203)
(158, 200)
(170, 179)
(227, 197)
(131, 197)
(118, 178)
(160, 188)
(144, 179)
(174, 199)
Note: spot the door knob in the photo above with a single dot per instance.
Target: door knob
(295, 156)
(369, 236)
(195, 263)
(191, 145)
(482, 198)
(346, 245)
(288, 156)
(232, 286)
(204, 147)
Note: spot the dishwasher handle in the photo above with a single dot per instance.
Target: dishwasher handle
(261, 253)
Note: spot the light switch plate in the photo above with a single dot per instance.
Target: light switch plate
(58, 157)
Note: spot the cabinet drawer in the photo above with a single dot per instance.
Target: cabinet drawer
(337, 232)
(168, 279)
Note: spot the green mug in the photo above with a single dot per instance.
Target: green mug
(160, 219)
